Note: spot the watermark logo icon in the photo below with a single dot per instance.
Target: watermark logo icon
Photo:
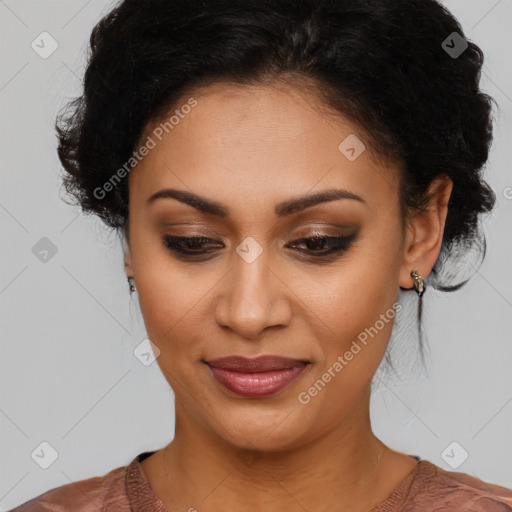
(146, 352)
(351, 147)
(454, 45)
(44, 455)
(249, 249)
(44, 45)
(44, 250)
(249, 456)
(454, 455)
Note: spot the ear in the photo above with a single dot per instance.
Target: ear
(127, 259)
(424, 232)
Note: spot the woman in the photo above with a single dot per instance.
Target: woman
(279, 171)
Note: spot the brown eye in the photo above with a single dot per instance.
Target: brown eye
(325, 245)
(189, 245)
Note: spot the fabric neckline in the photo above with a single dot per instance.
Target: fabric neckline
(142, 496)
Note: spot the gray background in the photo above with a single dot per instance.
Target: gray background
(69, 326)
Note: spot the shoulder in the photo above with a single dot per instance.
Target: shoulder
(434, 488)
(100, 493)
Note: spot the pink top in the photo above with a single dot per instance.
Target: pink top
(126, 489)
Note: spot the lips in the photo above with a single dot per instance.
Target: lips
(257, 377)
(257, 364)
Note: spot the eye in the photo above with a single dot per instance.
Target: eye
(188, 245)
(316, 246)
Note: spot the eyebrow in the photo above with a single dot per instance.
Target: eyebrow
(282, 209)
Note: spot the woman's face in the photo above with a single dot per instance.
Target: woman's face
(260, 290)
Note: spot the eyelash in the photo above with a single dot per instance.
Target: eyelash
(337, 245)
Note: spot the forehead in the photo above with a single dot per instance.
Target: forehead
(258, 141)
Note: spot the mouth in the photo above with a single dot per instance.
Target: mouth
(256, 377)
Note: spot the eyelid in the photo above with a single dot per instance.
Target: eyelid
(193, 225)
(327, 229)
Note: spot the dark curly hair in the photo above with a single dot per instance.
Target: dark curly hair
(384, 64)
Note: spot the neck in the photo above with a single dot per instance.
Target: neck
(344, 467)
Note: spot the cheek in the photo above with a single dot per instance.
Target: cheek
(358, 301)
(359, 309)
(175, 302)
(357, 313)
(171, 307)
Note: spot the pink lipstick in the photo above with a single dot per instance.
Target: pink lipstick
(256, 377)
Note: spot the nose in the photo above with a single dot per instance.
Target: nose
(253, 297)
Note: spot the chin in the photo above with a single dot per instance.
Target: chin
(268, 432)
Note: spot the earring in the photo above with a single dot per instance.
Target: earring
(419, 284)
(132, 284)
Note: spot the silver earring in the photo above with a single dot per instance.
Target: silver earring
(132, 284)
(419, 284)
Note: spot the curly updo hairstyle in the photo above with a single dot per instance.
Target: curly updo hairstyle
(380, 63)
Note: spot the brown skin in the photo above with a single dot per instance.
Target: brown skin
(251, 148)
